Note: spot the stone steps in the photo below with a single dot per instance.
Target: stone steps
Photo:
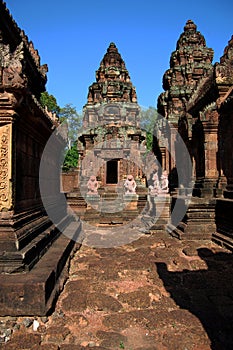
(45, 233)
(38, 288)
(224, 240)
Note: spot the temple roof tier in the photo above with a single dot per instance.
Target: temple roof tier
(113, 82)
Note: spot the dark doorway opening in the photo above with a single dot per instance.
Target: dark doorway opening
(112, 172)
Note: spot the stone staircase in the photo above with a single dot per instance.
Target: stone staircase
(198, 222)
(110, 207)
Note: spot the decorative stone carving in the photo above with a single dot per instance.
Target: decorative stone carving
(13, 71)
(112, 137)
(130, 185)
(164, 183)
(112, 80)
(188, 64)
(19, 60)
(155, 188)
(5, 167)
(159, 186)
(92, 186)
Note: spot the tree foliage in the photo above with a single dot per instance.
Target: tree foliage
(50, 102)
(71, 158)
(148, 119)
(70, 115)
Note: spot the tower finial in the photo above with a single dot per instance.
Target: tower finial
(190, 25)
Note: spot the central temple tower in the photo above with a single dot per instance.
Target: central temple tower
(111, 140)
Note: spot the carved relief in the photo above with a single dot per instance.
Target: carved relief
(12, 73)
(5, 167)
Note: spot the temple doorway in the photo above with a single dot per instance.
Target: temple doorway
(112, 172)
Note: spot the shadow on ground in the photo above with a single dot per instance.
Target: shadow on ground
(207, 294)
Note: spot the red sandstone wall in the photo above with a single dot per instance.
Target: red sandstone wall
(69, 181)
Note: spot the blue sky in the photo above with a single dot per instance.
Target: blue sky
(72, 36)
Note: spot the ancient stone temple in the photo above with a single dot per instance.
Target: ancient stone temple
(196, 103)
(32, 250)
(211, 111)
(112, 141)
(190, 63)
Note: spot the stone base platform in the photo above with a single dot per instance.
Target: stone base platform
(34, 233)
(224, 223)
(110, 207)
(198, 221)
(34, 292)
(160, 211)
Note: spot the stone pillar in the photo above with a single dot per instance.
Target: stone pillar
(206, 187)
(173, 133)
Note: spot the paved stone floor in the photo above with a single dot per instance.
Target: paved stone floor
(155, 293)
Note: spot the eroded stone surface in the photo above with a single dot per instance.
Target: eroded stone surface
(130, 299)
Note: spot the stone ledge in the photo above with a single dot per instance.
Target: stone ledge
(34, 292)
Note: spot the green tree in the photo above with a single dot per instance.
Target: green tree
(50, 102)
(71, 158)
(70, 115)
(148, 119)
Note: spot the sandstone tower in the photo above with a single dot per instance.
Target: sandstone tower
(111, 137)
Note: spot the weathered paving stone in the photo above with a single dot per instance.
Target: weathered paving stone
(78, 285)
(190, 251)
(137, 299)
(45, 347)
(23, 340)
(165, 253)
(113, 252)
(111, 339)
(144, 251)
(96, 348)
(155, 347)
(100, 272)
(75, 302)
(103, 302)
(173, 339)
(71, 347)
(79, 320)
(119, 322)
(143, 302)
(197, 265)
(56, 334)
